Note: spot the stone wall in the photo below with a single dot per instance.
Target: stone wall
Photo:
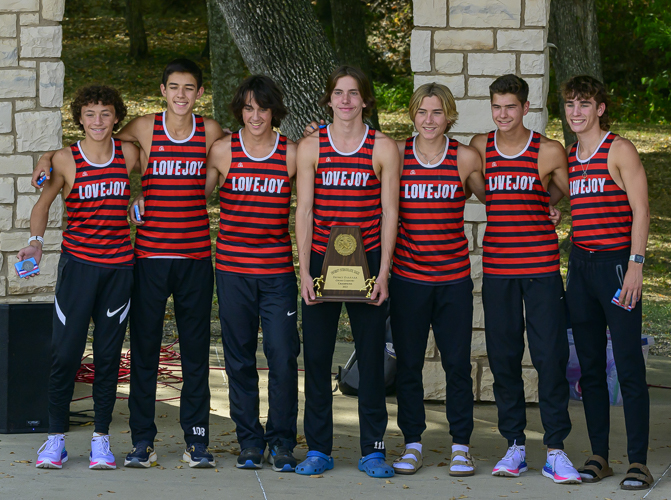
(466, 45)
(31, 94)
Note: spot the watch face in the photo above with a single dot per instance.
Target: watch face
(639, 259)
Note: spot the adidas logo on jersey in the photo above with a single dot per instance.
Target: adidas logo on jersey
(328, 159)
(240, 165)
(85, 174)
(161, 148)
(412, 172)
(494, 164)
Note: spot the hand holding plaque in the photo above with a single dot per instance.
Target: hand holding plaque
(345, 274)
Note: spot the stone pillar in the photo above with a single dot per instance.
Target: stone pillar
(31, 94)
(466, 45)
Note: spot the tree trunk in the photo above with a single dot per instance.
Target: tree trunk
(135, 26)
(349, 34)
(226, 64)
(574, 31)
(284, 40)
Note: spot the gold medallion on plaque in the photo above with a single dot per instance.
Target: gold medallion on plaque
(345, 244)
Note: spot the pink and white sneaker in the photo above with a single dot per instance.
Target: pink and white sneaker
(513, 464)
(101, 456)
(52, 454)
(560, 469)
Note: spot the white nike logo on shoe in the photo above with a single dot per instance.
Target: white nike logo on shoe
(291, 314)
(110, 314)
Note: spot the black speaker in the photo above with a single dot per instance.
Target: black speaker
(25, 364)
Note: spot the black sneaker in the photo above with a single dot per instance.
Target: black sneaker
(282, 459)
(143, 455)
(198, 456)
(250, 458)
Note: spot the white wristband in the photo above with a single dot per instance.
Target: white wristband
(36, 238)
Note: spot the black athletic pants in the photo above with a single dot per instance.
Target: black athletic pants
(85, 291)
(449, 309)
(242, 299)
(591, 283)
(190, 282)
(543, 300)
(320, 326)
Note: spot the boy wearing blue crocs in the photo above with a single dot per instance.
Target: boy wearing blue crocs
(367, 163)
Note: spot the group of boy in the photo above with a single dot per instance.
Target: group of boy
(182, 158)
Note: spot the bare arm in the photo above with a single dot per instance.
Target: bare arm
(469, 163)
(307, 157)
(131, 154)
(218, 164)
(291, 159)
(634, 182)
(213, 132)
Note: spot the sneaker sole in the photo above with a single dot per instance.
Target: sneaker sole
(508, 473)
(569, 480)
(102, 466)
(284, 468)
(135, 462)
(203, 464)
(249, 465)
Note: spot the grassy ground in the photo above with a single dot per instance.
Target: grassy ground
(94, 52)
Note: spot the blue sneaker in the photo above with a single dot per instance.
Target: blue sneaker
(281, 459)
(250, 458)
(52, 454)
(142, 455)
(198, 456)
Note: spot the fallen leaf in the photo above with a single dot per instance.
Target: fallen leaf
(110, 491)
(388, 482)
(125, 432)
(23, 461)
(405, 487)
(179, 467)
(442, 464)
(316, 476)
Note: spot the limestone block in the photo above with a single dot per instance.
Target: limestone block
(19, 5)
(6, 190)
(468, 231)
(475, 212)
(482, 227)
(52, 75)
(479, 87)
(477, 285)
(463, 40)
(53, 10)
(5, 217)
(536, 94)
(15, 241)
(476, 265)
(8, 25)
(536, 12)
(23, 185)
(23, 104)
(420, 50)
(17, 83)
(486, 384)
(27, 64)
(6, 144)
(2, 260)
(29, 19)
(478, 344)
(16, 164)
(475, 116)
(431, 350)
(9, 53)
(526, 357)
(38, 131)
(536, 120)
(455, 83)
(42, 283)
(462, 138)
(475, 368)
(5, 117)
(3, 286)
(24, 207)
(433, 377)
(430, 13)
(500, 63)
(522, 40)
(478, 312)
(48, 297)
(449, 62)
(532, 64)
(41, 41)
(530, 378)
(485, 13)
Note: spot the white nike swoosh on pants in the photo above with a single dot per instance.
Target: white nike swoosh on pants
(110, 314)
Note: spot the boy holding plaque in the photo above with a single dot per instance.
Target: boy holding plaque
(431, 277)
(521, 271)
(366, 165)
(255, 275)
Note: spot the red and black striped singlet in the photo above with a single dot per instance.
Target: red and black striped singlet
(175, 210)
(254, 223)
(431, 246)
(347, 192)
(600, 210)
(97, 231)
(520, 241)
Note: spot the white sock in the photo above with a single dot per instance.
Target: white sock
(97, 435)
(460, 468)
(411, 446)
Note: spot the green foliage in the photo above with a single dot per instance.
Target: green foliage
(394, 96)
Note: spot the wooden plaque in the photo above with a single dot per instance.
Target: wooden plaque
(345, 274)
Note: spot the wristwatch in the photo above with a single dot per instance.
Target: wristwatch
(639, 259)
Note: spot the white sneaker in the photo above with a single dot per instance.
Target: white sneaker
(101, 457)
(513, 464)
(560, 469)
(52, 454)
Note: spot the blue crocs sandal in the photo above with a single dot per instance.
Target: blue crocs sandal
(315, 463)
(375, 466)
